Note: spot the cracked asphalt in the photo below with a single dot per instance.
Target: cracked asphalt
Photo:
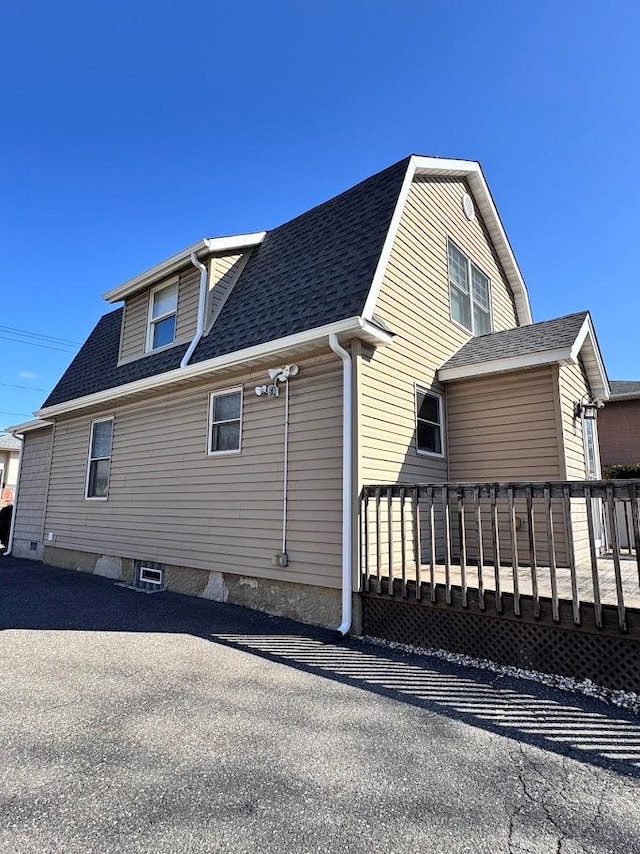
(162, 723)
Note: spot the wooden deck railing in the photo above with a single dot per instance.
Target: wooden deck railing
(565, 540)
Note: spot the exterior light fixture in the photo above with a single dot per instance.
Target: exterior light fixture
(586, 410)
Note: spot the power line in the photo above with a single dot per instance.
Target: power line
(35, 344)
(19, 414)
(53, 339)
(26, 387)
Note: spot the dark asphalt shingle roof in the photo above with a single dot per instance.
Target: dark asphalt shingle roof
(624, 388)
(311, 271)
(536, 338)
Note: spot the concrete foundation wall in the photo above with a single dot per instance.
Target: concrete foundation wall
(319, 606)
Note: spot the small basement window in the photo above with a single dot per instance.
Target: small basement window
(99, 463)
(163, 308)
(429, 422)
(225, 421)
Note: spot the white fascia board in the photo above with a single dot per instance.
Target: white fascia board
(353, 325)
(471, 170)
(512, 363)
(27, 426)
(598, 380)
(208, 245)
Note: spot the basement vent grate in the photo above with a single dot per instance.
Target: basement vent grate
(149, 576)
(33, 546)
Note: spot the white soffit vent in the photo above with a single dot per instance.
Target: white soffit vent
(150, 575)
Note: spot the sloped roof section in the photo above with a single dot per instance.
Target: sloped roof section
(560, 340)
(625, 389)
(561, 332)
(315, 270)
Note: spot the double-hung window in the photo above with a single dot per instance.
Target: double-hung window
(163, 308)
(225, 421)
(99, 458)
(470, 292)
(429, 422)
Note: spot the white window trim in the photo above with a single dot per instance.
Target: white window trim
(419, 387)
(470, 264)
(88, 497)
(210, 424)
(151, 321)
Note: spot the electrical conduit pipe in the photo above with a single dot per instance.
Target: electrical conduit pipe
(347, 429)
(202, 299)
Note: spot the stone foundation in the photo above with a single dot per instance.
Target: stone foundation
(319, 606)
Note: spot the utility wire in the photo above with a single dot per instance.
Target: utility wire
(26, 387)
(35, 344)
(40, 335)
(19, 414)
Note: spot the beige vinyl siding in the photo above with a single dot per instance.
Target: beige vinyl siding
(572, 388)
(133, 338)
(188, 293)
(503, 427)
(414, 303)
(32, 493)
(11, 471)
(134, 325)
(223, 273)
(170, 502)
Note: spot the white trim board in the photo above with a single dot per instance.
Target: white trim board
(207, 245)
(472, 171)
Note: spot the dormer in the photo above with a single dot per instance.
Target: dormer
(161, 304)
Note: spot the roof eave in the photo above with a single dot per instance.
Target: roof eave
(27, 426)
(353, 327)
(505, 365)
(206, 246)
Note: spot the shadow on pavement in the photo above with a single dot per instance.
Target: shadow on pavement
(33, 596)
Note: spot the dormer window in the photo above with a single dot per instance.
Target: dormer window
(163, 307)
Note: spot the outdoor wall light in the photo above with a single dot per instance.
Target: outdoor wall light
(586, 409)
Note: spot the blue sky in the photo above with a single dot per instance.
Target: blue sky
(129, 130)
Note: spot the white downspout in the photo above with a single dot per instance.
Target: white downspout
(285, 490)
(15, 500)
(347, 497)
(202, 301)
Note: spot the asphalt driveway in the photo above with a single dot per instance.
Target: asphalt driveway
(162, 723)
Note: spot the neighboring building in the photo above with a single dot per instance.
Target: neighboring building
(619, 425)
(164, 454)
(9, 455)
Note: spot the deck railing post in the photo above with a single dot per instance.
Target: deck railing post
(367, 568)
(595, 581)
(417, 554)
(571, 558)
(432, 544)
(615, 546)
(390, 539)
(403, 543)
(514, 551)
(378, 545)
(447, 544)
(533, 562)
(495, 536)
(636, 530)
(463, 547)
(476, 501)
(551, 543)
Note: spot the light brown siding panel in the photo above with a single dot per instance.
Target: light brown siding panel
(134, 325)
(170, 502)
(572, 388)
(32, 493)
(188, 293)
(414, 303)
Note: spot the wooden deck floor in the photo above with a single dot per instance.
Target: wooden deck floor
(606, 579)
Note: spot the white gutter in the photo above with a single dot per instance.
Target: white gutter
(207, 245)
(202, 301)
(347, 493)
(356, 326)
(15, 501)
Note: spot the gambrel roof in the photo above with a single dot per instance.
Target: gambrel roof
(319, 272)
